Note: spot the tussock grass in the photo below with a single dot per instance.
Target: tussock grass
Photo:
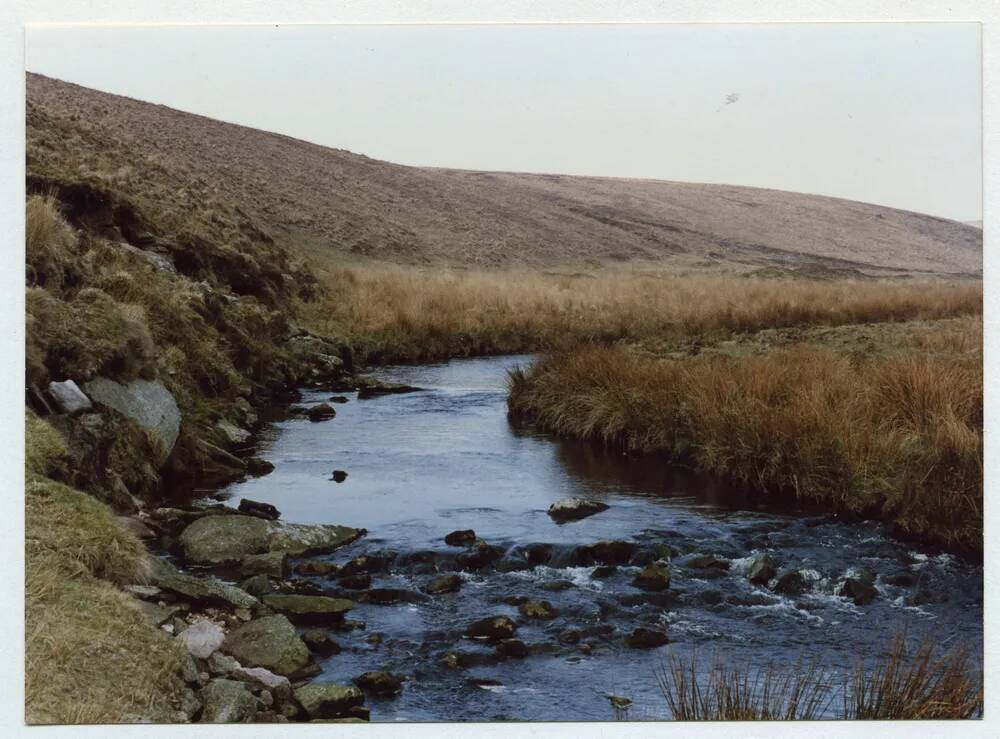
(898, 436)
(925, 682)
(401, 313)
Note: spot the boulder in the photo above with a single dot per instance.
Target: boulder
(608, 552)
(274, 564)
(602, 572)
(204, 591)
(227, 702)
(259, 467)
(365, 563)
(231, 433)
(572, 509)
(643, 638)
(260, 678)
(461, 538)
(321, 412)
(792, 582)
(379, 683)
(319, 642)
(761, 569)
(69, 398)
(257, 585)
(859, 589)
(309, 609)
(217, 540)
(146, 402)
(443, 584)
(479, 557)
(538, 609)
(269, 642)
(495, 628)
(260, 510)
(652, 577)
(569, 636)
(328, 700)
(202, 638)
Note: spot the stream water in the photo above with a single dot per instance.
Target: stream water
(426, 463)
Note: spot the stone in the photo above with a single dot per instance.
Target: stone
(761, 569)
(337, 399)
(491, 629)
(157, 614)
(190, 705)
(279, 686)
(319, 642)
(707, 562)
(569, 636)
(370, 388)
(202, 638)
(69, 398)
(512, 648)
(390, 596)
(572, 509)
(189, 669)
(791, 582)
(137, 527)
(538, 609)
(257, 585)
(227, 702)
(379, 683)
(461, 538)
(317, 568)
(858, 589)
(204, 591)
(652, 577)
(321, 412)
(328, 700)
(365, 563)
(261, 510)
(338, 475)
(556, 586)
(443, 584)
(602, 572)
(146, 402)
(609, 553)
(143, 591)
(233, 434)
(259, 467)
(157, 260)
(355, 582)
(309, 609)
(274, 564)
(222, 664)
(269, 642)
(643, 638)
(218, 540)
(480, 556)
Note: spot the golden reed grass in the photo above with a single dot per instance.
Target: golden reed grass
(396, 313)
(895, 436)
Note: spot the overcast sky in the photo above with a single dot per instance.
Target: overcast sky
(883, 113)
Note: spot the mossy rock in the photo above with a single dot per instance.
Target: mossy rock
(204, 591)
(328, 700)
(309, 609)
(227, 702)
(270, 642)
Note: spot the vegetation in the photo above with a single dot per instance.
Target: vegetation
(902, 684)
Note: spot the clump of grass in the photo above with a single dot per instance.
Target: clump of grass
(896, 437)
(49, 242)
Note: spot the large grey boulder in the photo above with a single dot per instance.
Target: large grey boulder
(204, 591)
(147, 402)
(202, 638)
(269, 642)
(217, 540)
(68, 397)
(227, 702)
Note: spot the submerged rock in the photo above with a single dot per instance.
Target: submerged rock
(320, 642)
(491, 629)
(227, 702)
(860, 589)
(371, 388)
(390, 596)
(259, 467)
(608, 553)
(643, 638)
(512, 648)
(309, 609)
(539, 609)
(652, 577)
(328, 700)
(355, 582)
(217, 540)
(461, 538)
(443, 584)
(379, 683)
(269, 642)
(572, 509)
(321, 412)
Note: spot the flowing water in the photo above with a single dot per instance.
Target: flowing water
(426, 463)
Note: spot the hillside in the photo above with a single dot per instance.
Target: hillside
(346, 207)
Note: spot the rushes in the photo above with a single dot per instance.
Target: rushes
(926, 683)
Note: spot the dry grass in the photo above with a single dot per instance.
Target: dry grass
(898, 437)
(902, 684)
(399, 313)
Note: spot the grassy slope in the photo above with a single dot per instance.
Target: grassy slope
(336, 204)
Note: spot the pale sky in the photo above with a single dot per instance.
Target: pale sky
(882, 113)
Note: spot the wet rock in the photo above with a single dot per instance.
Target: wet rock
(355, 582)
(261, 510)
(512, 648)
(926, 593)
(660, 599)
(328, 700)
(478, 558)
(711, 597)
(444, 584)
(338, 475)
(227, 702)
(761, 569)
(556, 585)
(512, 564)
(371, 388)
(537, 609)
(491, 629)
(752, 599)
(652, 577)
(259, 678)
(860, 589)
(217, 540)
(321, 412)
(643, 638)
(537, 554)
(257, 585)
(319, 642)
(901, 580)
(572, 509)
(317, 568)
(514, 600)
(461, 538)
(309, 609)
(707, 562)
(68, 397)
(610, 553)
(269, 642)
(374, 639)
(203, 591)
(274, 564)
(379, 683)
(337, 399)
(390, 596)
(461, 660)
(569, 636)
(202, 638)
(792, 582)
(146, 402)
(259, 467)
(365, 563)
(602, 572)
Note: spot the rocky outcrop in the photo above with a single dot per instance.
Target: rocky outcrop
(269, 642)
(146, 402)
(573, 509)
(217, 540)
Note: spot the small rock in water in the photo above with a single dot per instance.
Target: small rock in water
(792, 582)
(379, 683)
(540, 609)
(337, 399)
(373, 388)
(261, 510)
(444, 584)
(602, 572)
(460, 538)
(355, 582)
(338, 476)
(316, 568)
(570, 636)
(320, 642)
(761, 569)
(512, 648)
(321, 412)
(492, 629)
(653, 577)
(572, 509)
(861, 590)
(643, 638)
(259, 467)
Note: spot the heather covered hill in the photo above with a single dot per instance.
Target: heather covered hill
(195, 172)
